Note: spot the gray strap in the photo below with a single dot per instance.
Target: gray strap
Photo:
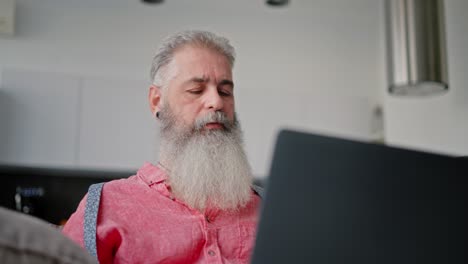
(90, 218)
(258, 190)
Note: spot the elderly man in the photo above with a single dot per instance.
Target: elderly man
(197, 204)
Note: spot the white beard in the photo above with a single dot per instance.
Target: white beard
(207, 168)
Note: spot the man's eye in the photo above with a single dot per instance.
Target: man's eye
(224, 93)
(195, 91)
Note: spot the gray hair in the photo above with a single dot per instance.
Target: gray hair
(197, 38)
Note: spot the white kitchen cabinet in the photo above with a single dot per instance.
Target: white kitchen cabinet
(61, 120)
(117, 129)
(38, 113)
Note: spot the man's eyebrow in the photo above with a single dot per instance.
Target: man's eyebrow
(226, 82)
(205, 80)
(197, 80)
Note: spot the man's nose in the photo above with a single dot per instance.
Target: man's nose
(214, 100)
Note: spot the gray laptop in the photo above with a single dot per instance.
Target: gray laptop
(330, 200)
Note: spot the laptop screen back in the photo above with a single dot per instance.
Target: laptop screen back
(331, 200)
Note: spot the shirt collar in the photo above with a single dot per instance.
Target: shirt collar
(151, 174)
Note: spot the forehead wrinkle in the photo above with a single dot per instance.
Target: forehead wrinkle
(205, 79)
(203, 74)
(197, 80)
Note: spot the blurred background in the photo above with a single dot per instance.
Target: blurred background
(74, 78)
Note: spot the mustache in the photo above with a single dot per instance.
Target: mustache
(214, 117)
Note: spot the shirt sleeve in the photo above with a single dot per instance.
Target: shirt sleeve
(74, 226)
(107, 238)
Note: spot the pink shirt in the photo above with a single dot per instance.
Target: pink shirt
(139, 221)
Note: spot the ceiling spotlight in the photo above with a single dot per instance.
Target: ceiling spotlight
(277, 2)
(152, 1)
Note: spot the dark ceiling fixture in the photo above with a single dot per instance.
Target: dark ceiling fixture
(152, 1)
(277, 2)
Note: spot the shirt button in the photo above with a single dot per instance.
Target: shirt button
(211, 253)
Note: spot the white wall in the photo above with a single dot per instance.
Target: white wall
(315, 65)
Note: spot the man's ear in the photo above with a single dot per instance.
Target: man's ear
(154, 97)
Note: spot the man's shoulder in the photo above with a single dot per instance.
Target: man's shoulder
(147, 175)
(122, 186)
